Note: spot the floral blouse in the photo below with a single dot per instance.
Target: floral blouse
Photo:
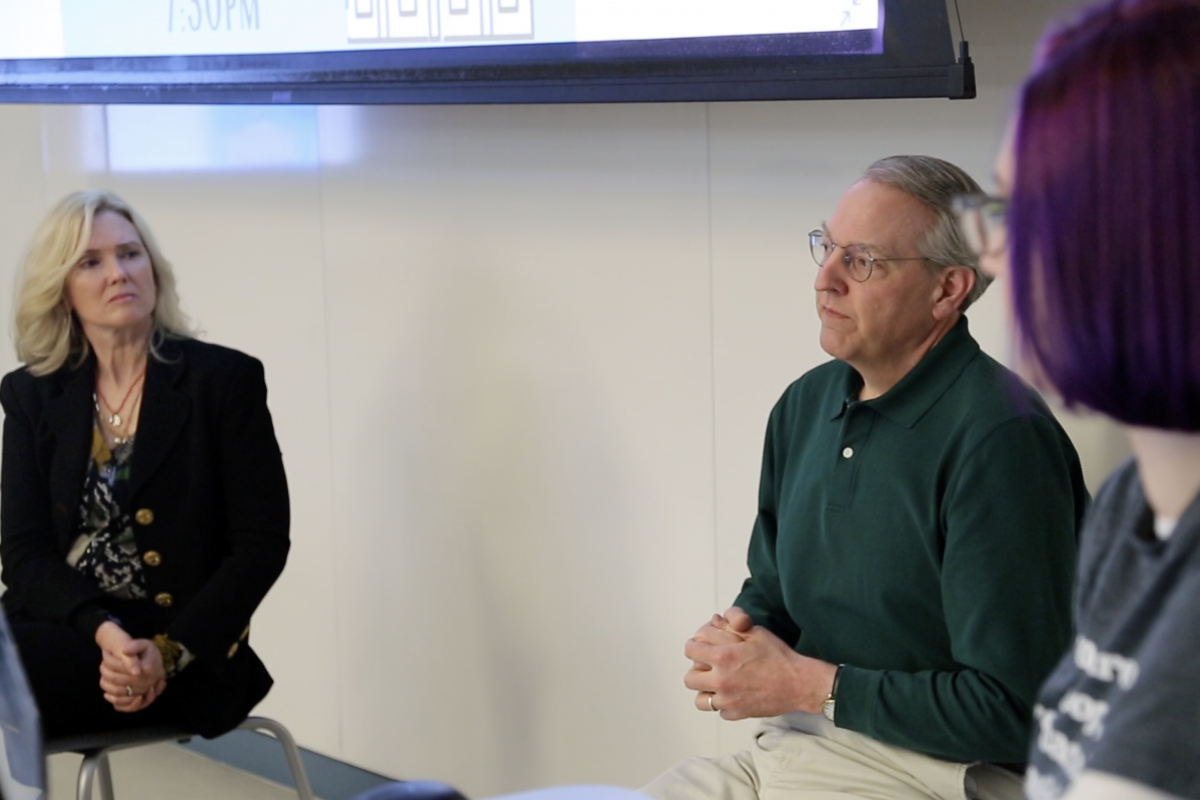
(106, 550)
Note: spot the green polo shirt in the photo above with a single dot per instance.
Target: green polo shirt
(926, 539)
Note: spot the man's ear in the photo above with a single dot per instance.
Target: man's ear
(954, 284)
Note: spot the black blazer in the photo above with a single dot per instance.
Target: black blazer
(207, 496)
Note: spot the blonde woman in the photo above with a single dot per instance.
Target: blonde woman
(143, 502)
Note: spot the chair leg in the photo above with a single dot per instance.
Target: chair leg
(92, 770)
(299, 776)
(104, 773)
(87, 775)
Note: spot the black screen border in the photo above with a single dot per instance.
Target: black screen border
(917, 60)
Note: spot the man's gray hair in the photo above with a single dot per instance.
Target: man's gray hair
(935, 183)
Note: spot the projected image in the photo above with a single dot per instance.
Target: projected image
(430, 21)
(611, 20)
(146, 138)
(115, 28)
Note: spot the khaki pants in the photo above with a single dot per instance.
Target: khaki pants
(805, 757)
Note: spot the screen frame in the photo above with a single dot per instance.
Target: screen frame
(917, 60)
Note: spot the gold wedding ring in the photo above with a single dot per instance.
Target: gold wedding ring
(711, 695)
(129, 693)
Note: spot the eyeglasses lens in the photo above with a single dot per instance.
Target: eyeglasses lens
(819, 246)
(974, 229)
(856, 259)
(983, 221)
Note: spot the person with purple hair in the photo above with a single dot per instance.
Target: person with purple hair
(1097, 231)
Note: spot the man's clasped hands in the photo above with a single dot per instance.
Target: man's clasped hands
(743, 670)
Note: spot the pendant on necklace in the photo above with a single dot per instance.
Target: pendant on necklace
(115, 420)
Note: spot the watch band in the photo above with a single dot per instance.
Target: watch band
(829, 707)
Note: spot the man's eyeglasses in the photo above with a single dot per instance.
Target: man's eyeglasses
(856, 257)
(983, 220)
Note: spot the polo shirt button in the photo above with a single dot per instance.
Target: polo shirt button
(848, 452)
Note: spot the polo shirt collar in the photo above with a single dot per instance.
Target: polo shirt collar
(908, 400)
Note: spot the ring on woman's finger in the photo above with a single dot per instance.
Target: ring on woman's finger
(129, 693)
(711, 707)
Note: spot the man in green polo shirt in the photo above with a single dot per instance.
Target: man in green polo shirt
(911, 564)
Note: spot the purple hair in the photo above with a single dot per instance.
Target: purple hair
(1105, 215)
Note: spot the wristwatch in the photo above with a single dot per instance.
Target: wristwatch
(828, 707)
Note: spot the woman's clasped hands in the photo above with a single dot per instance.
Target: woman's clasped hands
(131, 670)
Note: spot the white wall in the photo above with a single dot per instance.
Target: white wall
(520, 360)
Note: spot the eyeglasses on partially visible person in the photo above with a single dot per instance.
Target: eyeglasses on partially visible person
(857, 258)
(983, 220)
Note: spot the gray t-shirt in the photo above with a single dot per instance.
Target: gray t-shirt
(1126, 699)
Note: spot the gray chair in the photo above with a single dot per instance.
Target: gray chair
(95, 749)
